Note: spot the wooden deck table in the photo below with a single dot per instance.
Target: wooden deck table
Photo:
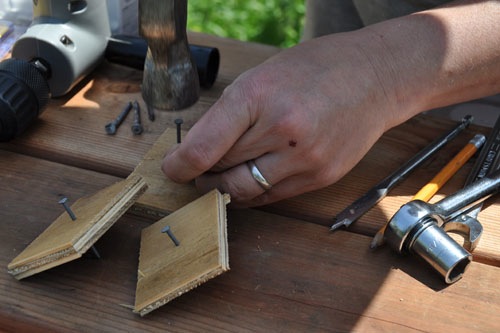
(288, 272)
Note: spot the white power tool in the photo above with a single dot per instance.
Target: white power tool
(65, 42)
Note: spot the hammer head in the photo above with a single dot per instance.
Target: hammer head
(170, 79)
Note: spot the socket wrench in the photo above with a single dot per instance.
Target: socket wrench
(417, 228)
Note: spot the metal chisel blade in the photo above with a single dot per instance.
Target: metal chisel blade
(358, 208)
(379, 191)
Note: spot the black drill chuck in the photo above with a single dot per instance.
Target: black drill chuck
(24, 93)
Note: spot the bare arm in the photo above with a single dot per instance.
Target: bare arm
(443, 56)
(309, 114)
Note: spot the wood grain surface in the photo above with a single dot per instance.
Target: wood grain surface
(163, 196)
(66, 239)
(288, 272)
(286, 275)
(168, 270)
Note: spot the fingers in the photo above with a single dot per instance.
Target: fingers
(208, 140)
(245, 190)
(286, 130)
(254, 143)
(300, 123)
(239, 182)
(289, 187)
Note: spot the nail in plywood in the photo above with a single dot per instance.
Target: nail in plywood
(163, 196)
(65, 240)
(167, 271)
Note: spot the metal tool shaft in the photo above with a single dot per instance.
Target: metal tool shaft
(379, 191)
(465, 221)
(474, 193)
(487, 162)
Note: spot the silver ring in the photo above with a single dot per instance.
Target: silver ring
(258, 176)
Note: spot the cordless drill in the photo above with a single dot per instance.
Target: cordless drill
(65, 42)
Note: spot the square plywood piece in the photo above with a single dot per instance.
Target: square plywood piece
(167, 271)
(65, 240)
(163, 196)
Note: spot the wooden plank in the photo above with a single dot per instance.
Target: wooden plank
(286, 275)
(71, 131)
(31, 191)
(360, 290)
(167, 271)
(66, 240)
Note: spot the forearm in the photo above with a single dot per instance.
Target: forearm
(307, 115)
(438, 57)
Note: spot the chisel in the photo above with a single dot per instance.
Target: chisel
(379, 191)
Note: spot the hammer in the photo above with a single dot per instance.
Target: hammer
(170, 79)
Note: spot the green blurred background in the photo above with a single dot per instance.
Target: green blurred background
(275, 22)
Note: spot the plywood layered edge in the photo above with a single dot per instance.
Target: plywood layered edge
(66, 240)
(167, 271)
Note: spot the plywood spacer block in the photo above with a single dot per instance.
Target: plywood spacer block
(163, 196)
(167, 271)
(65, 240)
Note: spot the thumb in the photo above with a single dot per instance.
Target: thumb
(208, 140)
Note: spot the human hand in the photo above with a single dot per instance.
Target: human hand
(306, 116)
(309, 114)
